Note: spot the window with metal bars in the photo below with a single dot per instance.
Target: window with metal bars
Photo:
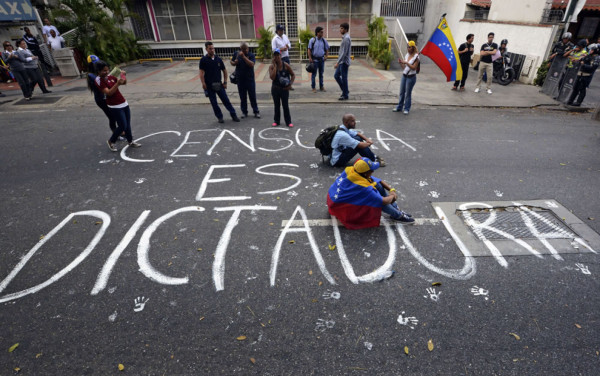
(403, 8)
(286, 13)
(141, 22)
(231, 19)
(178, 19)
(329, 14)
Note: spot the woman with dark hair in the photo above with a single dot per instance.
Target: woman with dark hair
(283, 77)
(17, 68)
(118, 106)
(32, 71)
(99, 96)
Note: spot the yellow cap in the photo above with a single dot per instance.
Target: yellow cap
(412, 44)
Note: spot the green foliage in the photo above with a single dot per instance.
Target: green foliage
(266, 35)
(98, 29)
(379, 49)
(304, 36)
(542, 72)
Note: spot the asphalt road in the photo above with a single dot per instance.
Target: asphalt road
(183, 264)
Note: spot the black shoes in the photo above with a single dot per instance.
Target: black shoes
(235, 118)
(257, 115)
(342, 98)
(221, 120)
(405, 219)
(46, 92)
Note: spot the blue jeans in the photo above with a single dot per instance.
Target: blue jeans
(320, 67)
(212, 95)
(406, 87)
(349, 153)
(123, 118)
(391, 209)
(341, 77)
(286, 59)
(247, 88)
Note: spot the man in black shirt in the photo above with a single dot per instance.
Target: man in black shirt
(465, 51)
(211, 67)
(485, 63)
(34, 46)
(561, 47)
(243, 61)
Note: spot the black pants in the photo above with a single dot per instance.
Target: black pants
(280, 99)
(465, 69)
(579, 89)
(21, 78)
(35, 77)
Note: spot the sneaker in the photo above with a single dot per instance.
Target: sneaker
(489, 91)
(477, 90)
(462, 88)
(453, 88)
(27, 98)
(134, 145)
(314, 90)
(257, 115)
(396, 109)
(274, 124)
(291, 125)
(46, 92)
(235, 118)
(221, 120)
(121, 138)
(244, 116)
(111, 146)
(322, 88)
(380, 160)
(405, 112)
(342, 98)
(404, 219)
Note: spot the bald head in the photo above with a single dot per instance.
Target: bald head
(349, 121)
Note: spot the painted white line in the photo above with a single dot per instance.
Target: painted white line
(207, 179)
(391, 138)
(298, 180)
(329, 222)
(126, 158)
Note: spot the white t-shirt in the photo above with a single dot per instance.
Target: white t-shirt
(46, 30)
(407, 69)
(280, 42)
(55, 43)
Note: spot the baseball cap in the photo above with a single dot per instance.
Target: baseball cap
(277, 51)
(364, 164)
(279, 27)
(412, 44)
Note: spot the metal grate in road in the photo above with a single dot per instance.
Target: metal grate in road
(517, 222)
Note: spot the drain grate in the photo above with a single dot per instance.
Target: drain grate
(38, 100)
(516, 222)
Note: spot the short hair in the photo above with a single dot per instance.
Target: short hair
(243, 44)
(345, 26)
(347, 117)
(469, 36)
(318, 29)
(491, 34)
(208, 43)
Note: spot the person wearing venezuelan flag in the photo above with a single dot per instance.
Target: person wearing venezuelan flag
(357, 198)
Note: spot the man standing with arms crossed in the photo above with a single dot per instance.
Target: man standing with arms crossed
(318, 49)
(465, 51)
(343, 62)
(485, 64)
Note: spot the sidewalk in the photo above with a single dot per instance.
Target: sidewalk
(162, 83)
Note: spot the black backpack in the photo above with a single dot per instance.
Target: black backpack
(323, 141)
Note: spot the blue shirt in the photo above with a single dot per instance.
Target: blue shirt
(318, 47)
(343, 139)
(212, 69)
(242, 69)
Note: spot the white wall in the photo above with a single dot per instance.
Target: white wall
(454, 9)
(268, 13)
(517, 10)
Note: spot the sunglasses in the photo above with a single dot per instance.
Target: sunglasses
(7, 45)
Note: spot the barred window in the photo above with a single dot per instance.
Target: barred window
(231, 19)
(329, 14)
(179, 19)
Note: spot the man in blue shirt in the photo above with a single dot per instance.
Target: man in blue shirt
(318, 49)
(343, 62)
(243, 61)
(347, 143)
(210, 75)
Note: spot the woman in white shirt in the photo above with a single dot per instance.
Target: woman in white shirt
(30, 61)
(410, 64)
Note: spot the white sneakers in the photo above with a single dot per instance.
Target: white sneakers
(477, 90)
(489, 91)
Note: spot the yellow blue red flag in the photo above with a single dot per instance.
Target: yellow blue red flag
(441, 49)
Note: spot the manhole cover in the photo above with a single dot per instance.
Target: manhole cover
(518, 222)
(38, 100)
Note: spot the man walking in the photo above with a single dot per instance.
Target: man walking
(282, 42)
(211, 67)
(34, 46)
(343, 62)
(465, 51)
(243, 61)
(485, 64)
(318, 49)
(346, 143)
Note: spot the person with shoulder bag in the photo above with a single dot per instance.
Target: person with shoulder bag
(243, 61)
(410, 64)
(283, 77)
(318, 49)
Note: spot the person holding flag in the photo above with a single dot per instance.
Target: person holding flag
(356, 198)
(410, 64)
(442, 51)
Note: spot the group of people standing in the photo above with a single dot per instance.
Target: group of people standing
(24, 66)
(214, 77)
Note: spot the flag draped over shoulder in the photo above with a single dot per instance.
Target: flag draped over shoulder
(441, 49)
(355, 201)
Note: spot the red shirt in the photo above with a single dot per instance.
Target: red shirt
(117, 98)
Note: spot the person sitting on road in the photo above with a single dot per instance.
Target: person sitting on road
(346, 143)
(357, 198)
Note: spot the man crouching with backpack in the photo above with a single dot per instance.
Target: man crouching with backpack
(347, 143)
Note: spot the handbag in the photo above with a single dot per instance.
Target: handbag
(233, 78)
(216, 86)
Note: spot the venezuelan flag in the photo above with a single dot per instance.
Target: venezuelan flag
(441, 49)
(354, 200)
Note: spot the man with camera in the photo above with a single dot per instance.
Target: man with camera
(243, 61)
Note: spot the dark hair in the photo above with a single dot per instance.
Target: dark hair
(318, 29)
(492, 34)
(19, 41)
(469, 36)
(94, 68)
(209, 43)
(345, 26)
